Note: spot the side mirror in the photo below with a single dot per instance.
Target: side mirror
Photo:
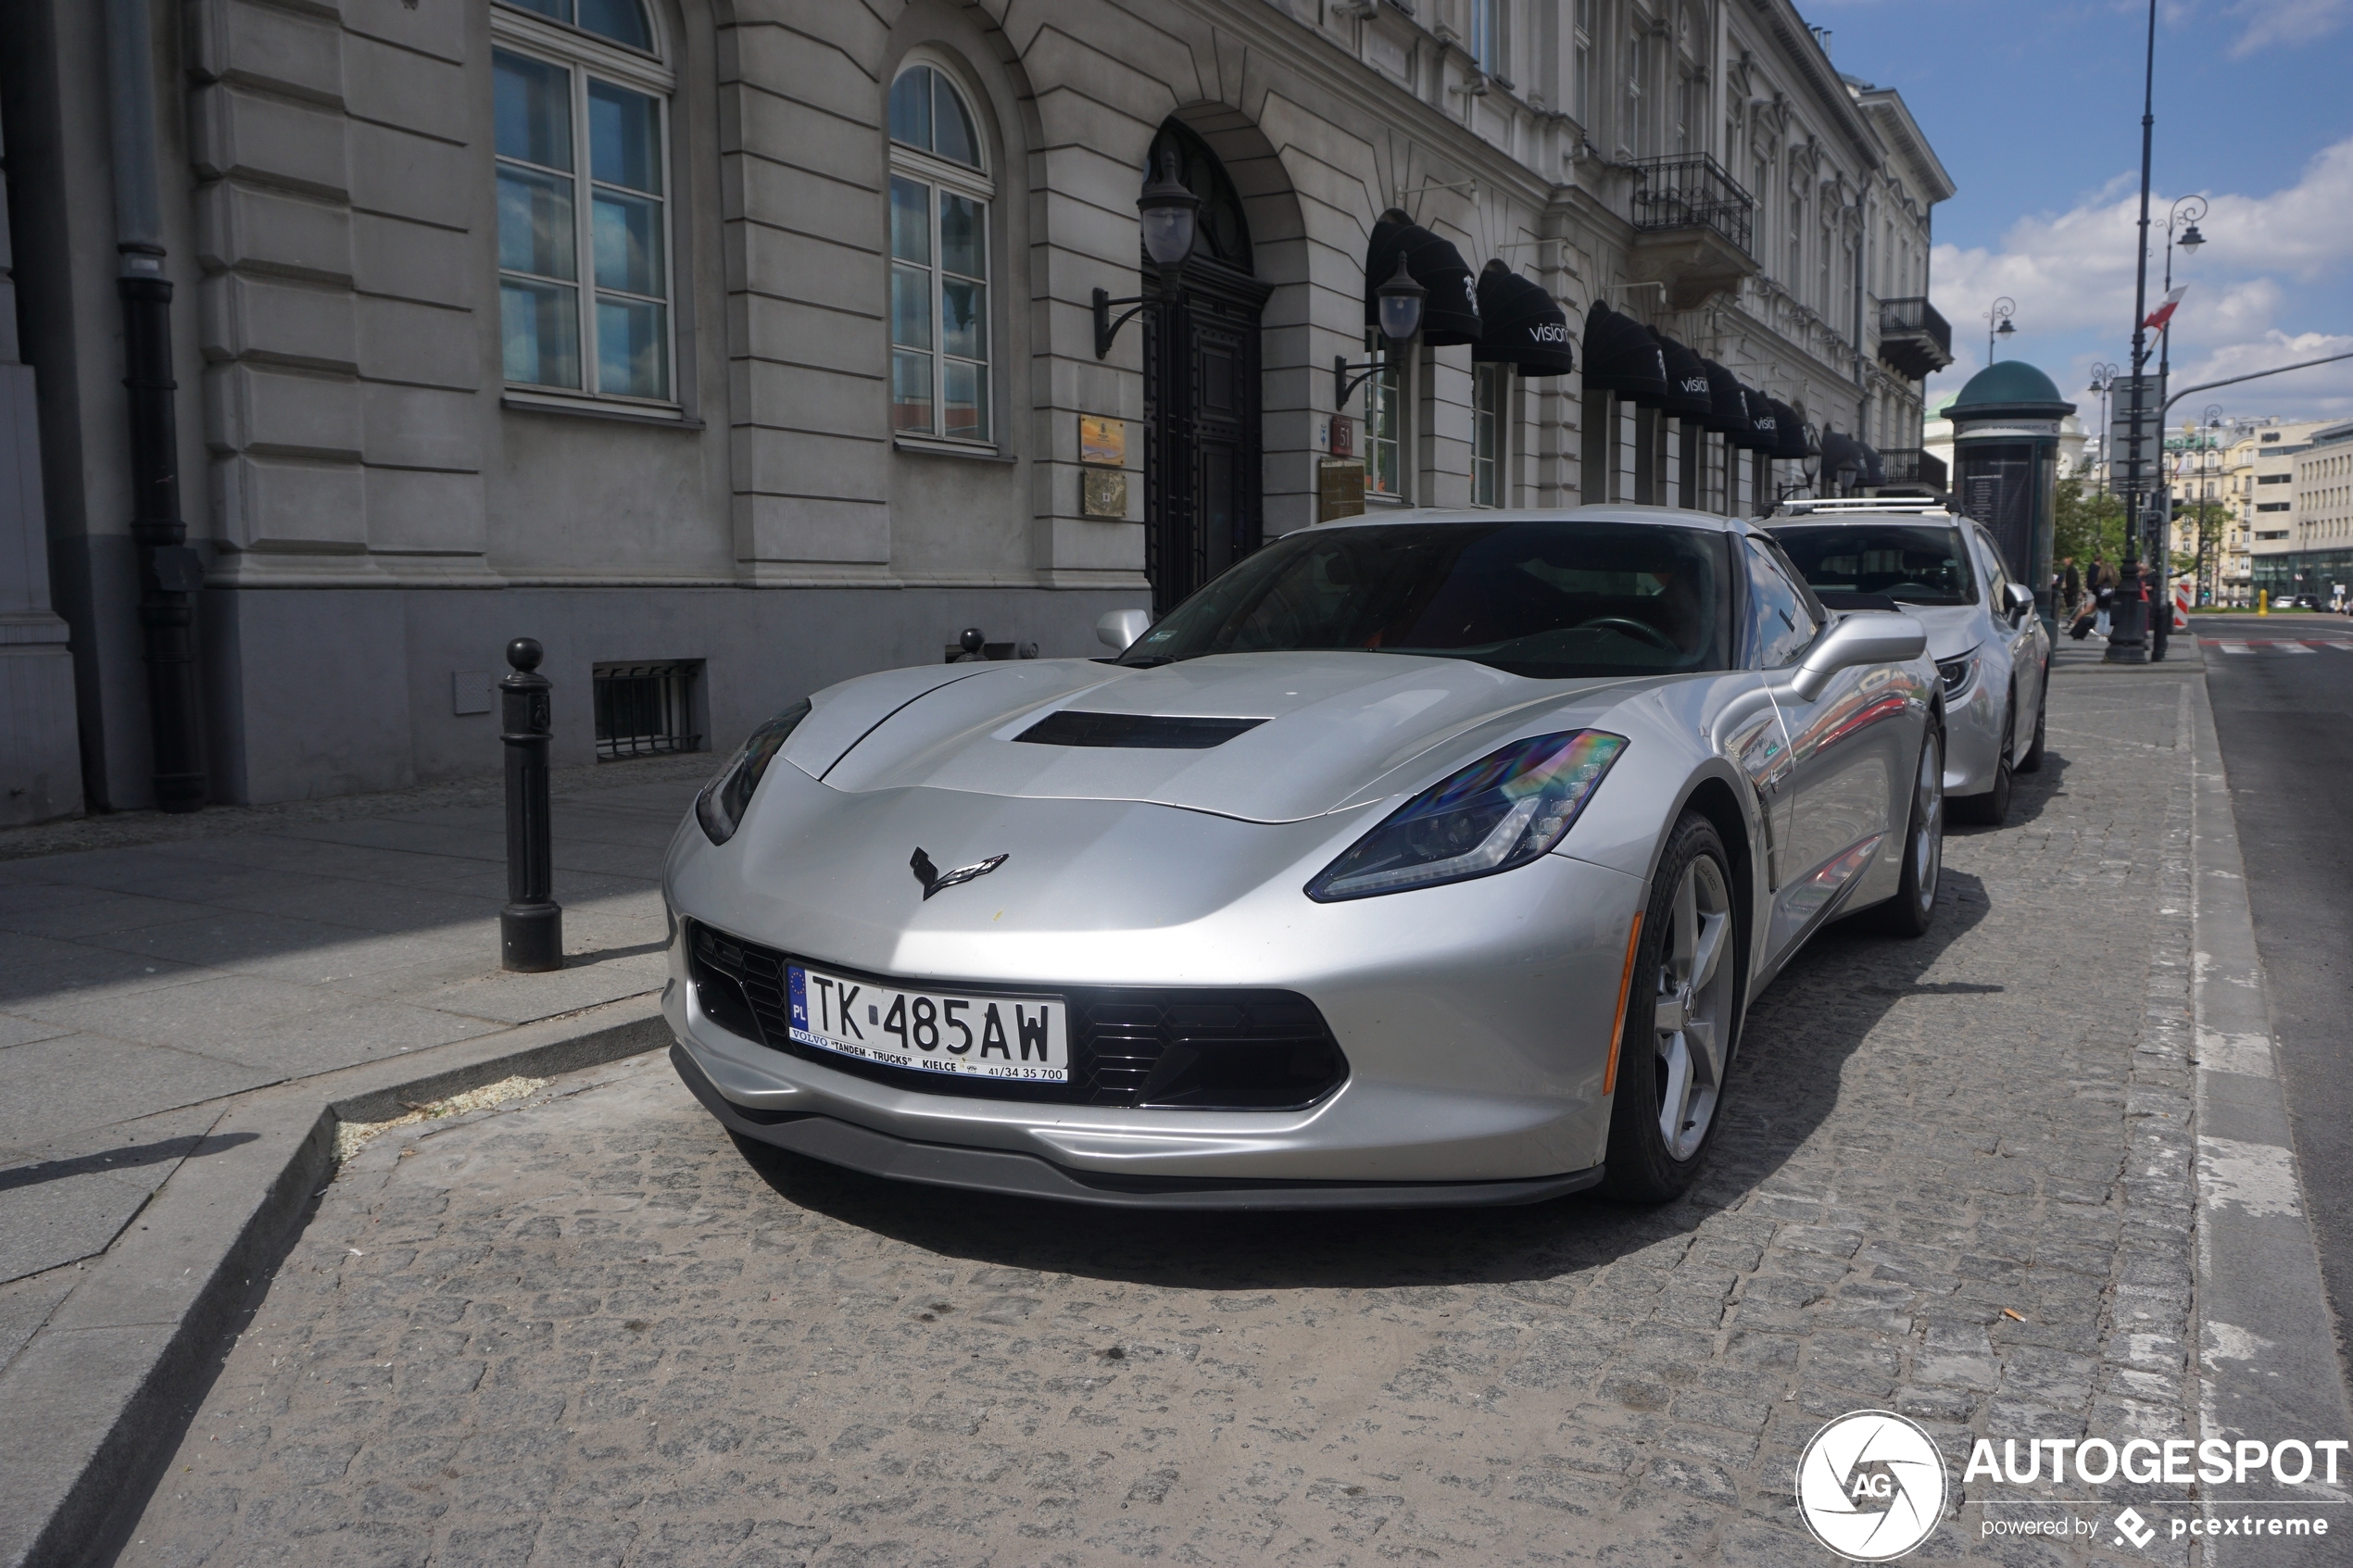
(2017, 598)
(1119, 629)
(1858, 639)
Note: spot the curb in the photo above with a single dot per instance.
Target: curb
(97, 1399)
(2266, 1359)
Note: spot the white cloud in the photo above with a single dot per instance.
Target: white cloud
(2264, 289)
(2287, 22)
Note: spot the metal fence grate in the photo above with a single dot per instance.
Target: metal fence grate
(646, 710)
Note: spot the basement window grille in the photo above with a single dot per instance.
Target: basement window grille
(646, 710)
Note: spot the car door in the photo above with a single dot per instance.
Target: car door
(1844, 746)
(2020, 636)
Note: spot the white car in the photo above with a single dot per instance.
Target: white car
(1992, 651)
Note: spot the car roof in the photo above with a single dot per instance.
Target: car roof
(1662, 517)
(1808, 518)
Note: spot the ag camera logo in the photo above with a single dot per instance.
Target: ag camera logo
(1871, 1485)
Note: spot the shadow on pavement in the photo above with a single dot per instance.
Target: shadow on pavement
(164, 1151)
(1786, 1085)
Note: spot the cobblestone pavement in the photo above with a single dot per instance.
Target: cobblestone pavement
(587, 1329)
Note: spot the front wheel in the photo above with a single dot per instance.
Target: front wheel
(2032, 761)
(1913, 906)
(1991, 809)
(1682, 1021)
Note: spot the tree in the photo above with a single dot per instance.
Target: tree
(2088, 522)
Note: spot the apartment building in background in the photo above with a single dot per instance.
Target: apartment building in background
(733, 347)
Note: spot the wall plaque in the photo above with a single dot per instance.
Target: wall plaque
(1339, 488)
(1103, 493)
(1102, 441)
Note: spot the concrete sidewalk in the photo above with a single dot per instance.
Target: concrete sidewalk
(142, 985)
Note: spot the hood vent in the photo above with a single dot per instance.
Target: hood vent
(1140, 732)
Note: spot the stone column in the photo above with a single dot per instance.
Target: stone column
(40, 740)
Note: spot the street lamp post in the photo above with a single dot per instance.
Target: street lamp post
(2182, 222)
(2128, 636)
(2103, 380)
(2208, 539)
(1997, 323)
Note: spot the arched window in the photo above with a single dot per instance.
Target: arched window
(581, 102)
(939, 198)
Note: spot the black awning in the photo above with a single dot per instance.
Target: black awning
(1764, 423)
(1521, 325)
(1449, 310)
(1726, 404)
(1686, 392)
(1790, 437)
(1874, 467)
(1843, 461)
(1622, 356)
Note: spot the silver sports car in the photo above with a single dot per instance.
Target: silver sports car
(1992, 654)
(1424, 861)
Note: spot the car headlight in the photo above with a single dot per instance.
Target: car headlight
(1959, 672)
(721, 804)
(1503, 810)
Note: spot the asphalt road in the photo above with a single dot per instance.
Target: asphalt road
(2284, 708)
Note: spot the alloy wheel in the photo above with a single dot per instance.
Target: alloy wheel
(1927, 847)
(1694, 1010)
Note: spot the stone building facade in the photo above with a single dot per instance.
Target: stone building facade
(730, 348)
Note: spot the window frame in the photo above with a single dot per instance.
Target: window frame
(940, 176)
(583, 57)
(1491, 427)
(1386, 390)
(1584, 30)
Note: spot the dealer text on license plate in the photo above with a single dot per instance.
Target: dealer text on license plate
(1017, 1038)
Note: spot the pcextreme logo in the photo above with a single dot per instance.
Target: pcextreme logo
(1871, 1485)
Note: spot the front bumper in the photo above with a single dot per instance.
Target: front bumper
(1023, 1176)
(1475, 1018)
(1973, 733)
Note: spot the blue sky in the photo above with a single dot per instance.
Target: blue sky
(2035, 110)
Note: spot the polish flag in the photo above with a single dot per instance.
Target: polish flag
(2164, 313)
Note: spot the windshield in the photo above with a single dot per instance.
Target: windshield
(1913, 563)
(1546, 599)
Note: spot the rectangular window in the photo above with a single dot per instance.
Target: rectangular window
(1633, 131)
(1384, 405)
(1488, 389)
(557, 207)
(1584, 85)
(938, 312)
(646, 710)
(1487, 36)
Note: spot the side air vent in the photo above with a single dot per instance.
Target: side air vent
(1142, 732)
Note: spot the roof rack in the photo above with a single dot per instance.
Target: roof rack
(1909, 506)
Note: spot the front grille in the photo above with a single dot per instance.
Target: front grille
(1199, 1048)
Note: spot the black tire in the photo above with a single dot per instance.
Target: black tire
(1913, 910)
(1991, 809)
(2032, 761)
(1641, 1168)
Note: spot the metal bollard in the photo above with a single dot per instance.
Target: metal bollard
(531, 928)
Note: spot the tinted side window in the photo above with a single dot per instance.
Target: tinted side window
(1997, 575)
(1780, 622)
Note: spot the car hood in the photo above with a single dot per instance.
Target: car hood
(1338, 728)
(1952, 629)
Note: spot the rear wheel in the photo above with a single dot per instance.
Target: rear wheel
(2032, 761)
(1992, 808)
(1913, 906)
(1682, 1021)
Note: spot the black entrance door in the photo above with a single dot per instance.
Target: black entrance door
(1201, 475)
(1202, 510)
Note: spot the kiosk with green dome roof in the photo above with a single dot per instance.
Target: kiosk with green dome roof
(2006, 424)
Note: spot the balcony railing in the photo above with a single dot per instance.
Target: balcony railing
(1693, 191)
(1914, 466)
(1913, 339)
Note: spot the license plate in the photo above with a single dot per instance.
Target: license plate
(1025, 1038)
